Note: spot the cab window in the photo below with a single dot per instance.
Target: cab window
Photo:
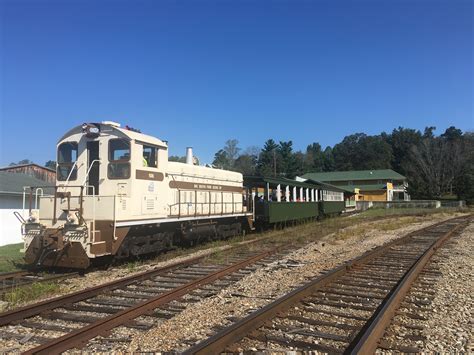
(119, 159)
(67, 156)
(149, 156)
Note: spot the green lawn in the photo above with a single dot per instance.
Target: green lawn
(10, 255)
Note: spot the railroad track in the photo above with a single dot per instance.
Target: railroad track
(138, 302)
(346, 310)
(10, 281)
(406, 330)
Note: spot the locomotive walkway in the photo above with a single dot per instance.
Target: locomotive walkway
(350, 308)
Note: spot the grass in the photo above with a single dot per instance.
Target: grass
(348, 232)
(132, 266)
(27, 293)
(217, 257)
(10, 257)
(397, 223)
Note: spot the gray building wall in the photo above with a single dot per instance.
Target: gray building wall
(11, 201)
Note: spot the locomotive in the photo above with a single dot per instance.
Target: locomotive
(117, 195)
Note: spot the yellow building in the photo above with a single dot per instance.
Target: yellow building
(367, 185)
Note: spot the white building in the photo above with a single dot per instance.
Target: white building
(11, 200)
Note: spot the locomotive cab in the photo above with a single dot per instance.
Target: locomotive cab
(93, 189)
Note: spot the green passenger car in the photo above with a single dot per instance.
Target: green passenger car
(290, 211)
(329, 208)
(281, 200)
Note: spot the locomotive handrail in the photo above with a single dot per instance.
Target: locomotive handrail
(93, 207)
(19, 217)
(233, 204)
(21, 220)
(115, 216)
(70, 173)
(36, 196)
(30, 195)
(24, 200)
(89, 170)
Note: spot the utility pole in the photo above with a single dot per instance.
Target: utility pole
(274, 163)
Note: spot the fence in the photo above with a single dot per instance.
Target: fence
(364, 205)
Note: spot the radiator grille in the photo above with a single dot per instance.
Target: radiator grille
(150, 204)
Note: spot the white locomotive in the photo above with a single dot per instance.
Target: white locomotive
(118, 195)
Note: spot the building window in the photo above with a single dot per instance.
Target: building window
(67, 157)
(149, 156)
(119, 158)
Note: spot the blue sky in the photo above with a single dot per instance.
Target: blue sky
(200, 72)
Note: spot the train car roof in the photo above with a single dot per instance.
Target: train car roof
(106, 127)
(309, 183)
(262, 180)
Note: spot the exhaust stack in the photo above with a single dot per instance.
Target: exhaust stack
(189, 155)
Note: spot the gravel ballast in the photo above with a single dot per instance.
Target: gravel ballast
(449, 328)
(260, 288)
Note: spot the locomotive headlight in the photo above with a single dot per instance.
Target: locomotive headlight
(33, 218)
(71, 218)
(91, 130)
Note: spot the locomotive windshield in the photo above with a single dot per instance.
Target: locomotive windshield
(119, 159)
(67, 156)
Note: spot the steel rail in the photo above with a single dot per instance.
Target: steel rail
(39, 307)
(235, 332)
(367, 341)
(102, 326)
(12, 275)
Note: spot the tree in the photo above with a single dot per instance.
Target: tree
(434, 165)
(428, 133)
(50, 164)
(401, 141)
(267, 160)
(245, 164)
(314, 158)
(298, 165)
(464, 182)
(328, 160)
(252, 150)
(232, 150)
(452, 133)
(360, 152)
(284, 158)
(221, 160)
(225, 158)
(22, 162)
(177, 158)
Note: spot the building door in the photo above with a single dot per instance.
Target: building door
(92, 158)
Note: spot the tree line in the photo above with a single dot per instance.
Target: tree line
(436, 166)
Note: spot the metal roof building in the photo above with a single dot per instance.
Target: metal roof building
(368, 185)
(37, 171)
